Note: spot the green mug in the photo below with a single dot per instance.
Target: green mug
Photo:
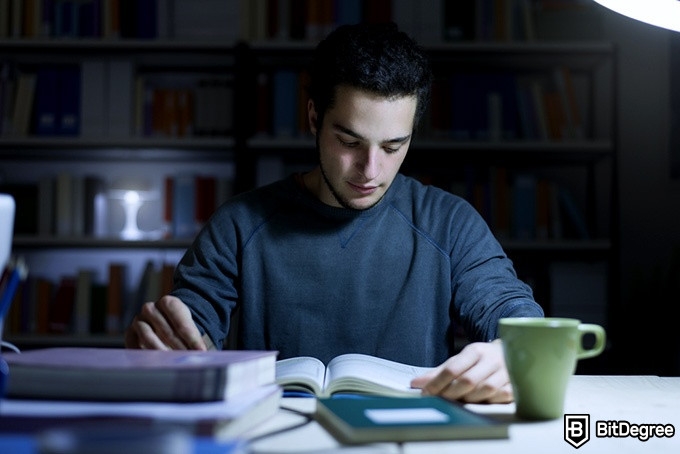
(541, 354)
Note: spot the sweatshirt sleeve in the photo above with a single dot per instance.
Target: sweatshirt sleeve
(483, 280)
(206, 276)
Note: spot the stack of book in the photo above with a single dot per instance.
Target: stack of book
(215, 394)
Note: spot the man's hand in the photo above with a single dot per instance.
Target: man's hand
(164, 325)
(476, 375)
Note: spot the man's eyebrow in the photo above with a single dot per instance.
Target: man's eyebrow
(354, 134)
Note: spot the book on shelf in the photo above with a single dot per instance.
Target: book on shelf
(351, 373)
(397, 419)
(61, 309)
(117, 374)
(115, 295)
(93, 98)
(82, 313)
(46, 109)
(23, 103)
(69, 81)
(221, 420)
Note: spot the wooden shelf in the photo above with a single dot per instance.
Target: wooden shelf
(32, 341)
(99, 243)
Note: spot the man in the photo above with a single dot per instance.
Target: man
(352, 256)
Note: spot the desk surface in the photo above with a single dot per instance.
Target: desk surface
(635, 399)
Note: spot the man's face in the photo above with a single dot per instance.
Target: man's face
(362, 144)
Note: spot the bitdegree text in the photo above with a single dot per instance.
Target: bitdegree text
(623, 429)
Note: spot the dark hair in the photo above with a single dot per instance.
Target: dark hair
(377, 58)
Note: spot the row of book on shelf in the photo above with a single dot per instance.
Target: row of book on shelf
(109, 98)
(466, 106)
(498, 106)
(83, 303)
(442, 20)
(113, 98)
(232, 20)
(70, 205)
(522, 205)
(120, 19)
(218, 20)
(311, 20)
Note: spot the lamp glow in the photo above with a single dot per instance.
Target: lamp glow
(132, 203)
(662, 13)
(132, 195)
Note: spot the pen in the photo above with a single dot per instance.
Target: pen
(18, 274)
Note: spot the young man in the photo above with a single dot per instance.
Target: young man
(352, 256)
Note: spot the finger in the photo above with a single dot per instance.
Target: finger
(494, 389)
(131, 338)
(457, 388)
(147, 338)
(420, 381)
(180, 322)
(454, 377)
(154, 330)
(439, 382)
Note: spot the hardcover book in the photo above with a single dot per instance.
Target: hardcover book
(398, 419)
(351, 373)
(110, 374)
(221, 420)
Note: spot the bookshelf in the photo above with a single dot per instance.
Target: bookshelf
(481, 157)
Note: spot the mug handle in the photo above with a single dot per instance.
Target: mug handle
(598, 346)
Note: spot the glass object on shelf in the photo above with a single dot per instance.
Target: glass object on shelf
(133, 194)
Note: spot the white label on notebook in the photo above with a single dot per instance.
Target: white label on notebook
(405, 415)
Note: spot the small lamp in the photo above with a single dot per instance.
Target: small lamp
(132, 195)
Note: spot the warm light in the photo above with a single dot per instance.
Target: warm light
(662, 13)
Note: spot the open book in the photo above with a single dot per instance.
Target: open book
(350, 373)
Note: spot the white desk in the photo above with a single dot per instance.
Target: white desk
(636, 399)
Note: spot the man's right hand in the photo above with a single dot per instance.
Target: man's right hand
(164, 325)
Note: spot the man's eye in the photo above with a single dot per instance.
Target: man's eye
(348, 144)
(390, 150)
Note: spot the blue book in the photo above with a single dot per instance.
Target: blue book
(69, 101)
(85, 28)
(147, 11)
(524, 207)
(574, 215)
(46, 101)
(399, 419)
(285, 103)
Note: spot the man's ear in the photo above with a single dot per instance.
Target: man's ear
(312, 117)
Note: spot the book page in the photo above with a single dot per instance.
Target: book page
(368, 374)
(303, 373)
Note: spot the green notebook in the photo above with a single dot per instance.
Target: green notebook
(397, 419)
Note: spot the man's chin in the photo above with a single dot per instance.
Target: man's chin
(361, 204)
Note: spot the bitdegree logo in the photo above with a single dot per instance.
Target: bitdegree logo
(624, 429)
(577, 430)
